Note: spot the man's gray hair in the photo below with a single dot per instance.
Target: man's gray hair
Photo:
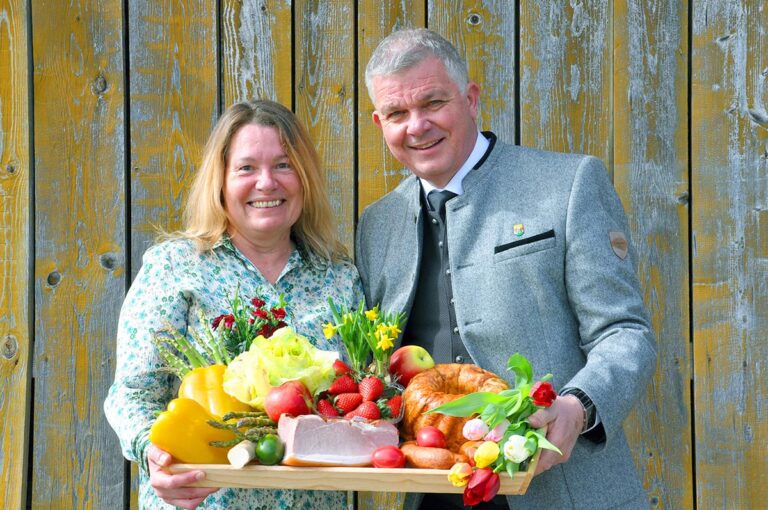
(403, 49)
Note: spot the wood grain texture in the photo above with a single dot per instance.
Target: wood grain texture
(15, 208)
(565, 77)
(344, 477)
(484, 33)
(325, 92)
(256, 50)
(730, 255)
(174, 105)
(378, 171)
(79, 250)
(651, 177)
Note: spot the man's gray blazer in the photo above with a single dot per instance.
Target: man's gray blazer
(538, 266)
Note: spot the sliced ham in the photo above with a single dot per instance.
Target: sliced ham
(312, 440)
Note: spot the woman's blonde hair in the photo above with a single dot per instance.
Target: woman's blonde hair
(205, 219)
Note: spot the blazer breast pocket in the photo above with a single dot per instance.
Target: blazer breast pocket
(525, 246)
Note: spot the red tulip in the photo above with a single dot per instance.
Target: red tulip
(543, 394)
(483, 486)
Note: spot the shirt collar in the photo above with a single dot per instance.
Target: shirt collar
(454, 185)
(297, 258)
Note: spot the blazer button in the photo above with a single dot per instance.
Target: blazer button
(434, 221)
(456, 330)
(459, 359)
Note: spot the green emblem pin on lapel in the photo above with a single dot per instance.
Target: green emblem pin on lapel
(518, 229)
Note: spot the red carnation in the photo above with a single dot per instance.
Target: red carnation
(258, 303)
(483, 486)
(228, 321)
(278, 313)
(543, 394)
(261, 314)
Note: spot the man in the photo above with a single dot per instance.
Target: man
(530, 253)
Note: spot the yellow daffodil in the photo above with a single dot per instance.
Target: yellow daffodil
(394, 331)
(385, 343)
(372, 314)
(459, 474)
(329, 330)
(486, 454)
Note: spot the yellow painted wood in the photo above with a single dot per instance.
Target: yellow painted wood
(484, 33)
(15, 334)
(174, 105)
(729, 143)
(565, 77)
(79, 275)
(651, 177)
(325, 84)
(378, 172)
(256, 50)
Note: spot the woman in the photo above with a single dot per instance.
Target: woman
(257, 217)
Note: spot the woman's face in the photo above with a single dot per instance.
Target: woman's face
(263, 195)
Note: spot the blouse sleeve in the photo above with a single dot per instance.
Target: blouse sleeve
(142, 387)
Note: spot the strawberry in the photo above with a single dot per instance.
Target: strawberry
(325, 408)
(341, 368)
(368, 410)
(394, 406)
(347, 402)
(371, 387)
(343, 384)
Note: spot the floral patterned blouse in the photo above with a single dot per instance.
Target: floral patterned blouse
(176, 282)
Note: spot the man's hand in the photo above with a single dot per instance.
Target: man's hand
(174, 489)
(564, 420)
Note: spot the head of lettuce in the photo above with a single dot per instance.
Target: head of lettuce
(285, 356)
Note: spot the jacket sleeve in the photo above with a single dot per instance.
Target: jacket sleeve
(360, 259)
(604, 293)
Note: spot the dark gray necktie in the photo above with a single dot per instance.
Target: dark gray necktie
(443, 350)
(437, 200)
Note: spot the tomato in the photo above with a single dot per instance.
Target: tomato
(388, 457)
(270, 450)
(430, 436)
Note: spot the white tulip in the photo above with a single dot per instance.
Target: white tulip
(515, 450)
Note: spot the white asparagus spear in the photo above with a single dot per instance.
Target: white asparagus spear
(242, 453)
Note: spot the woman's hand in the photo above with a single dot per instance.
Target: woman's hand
(175, 489)
(564, 420)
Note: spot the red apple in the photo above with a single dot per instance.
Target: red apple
(291, 398)
(301, 387)
(408, 361)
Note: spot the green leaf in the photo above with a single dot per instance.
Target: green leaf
(522, 368)
(512, 468)
(493, 414)
(543, 442)
(510, 392)
(468, 404)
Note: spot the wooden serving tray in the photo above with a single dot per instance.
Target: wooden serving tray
(255, 476)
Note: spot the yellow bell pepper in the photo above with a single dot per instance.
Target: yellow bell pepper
(204, 385)
(184, 432)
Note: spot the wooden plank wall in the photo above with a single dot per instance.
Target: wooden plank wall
(105, 106)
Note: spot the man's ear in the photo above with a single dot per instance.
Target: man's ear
(376, 118)
(472, 95)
